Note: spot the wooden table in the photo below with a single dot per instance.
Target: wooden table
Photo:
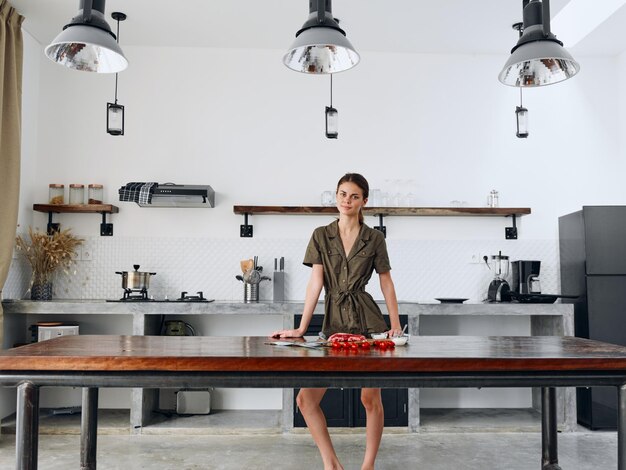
(199, 362)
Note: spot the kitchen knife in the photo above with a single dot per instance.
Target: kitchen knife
(282, 263)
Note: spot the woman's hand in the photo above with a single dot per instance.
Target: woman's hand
(287, 334)
(394, 332)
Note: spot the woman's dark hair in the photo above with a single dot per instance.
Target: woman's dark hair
(361, 182)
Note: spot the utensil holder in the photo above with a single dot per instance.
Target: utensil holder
(250, 292)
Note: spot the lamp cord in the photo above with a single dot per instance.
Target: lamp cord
(520, 97)
(117, 38)
(331, 90)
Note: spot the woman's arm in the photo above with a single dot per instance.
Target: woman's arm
(389, 292)
(313, 290)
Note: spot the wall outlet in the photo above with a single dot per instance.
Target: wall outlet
(87, 252)
(78, 254)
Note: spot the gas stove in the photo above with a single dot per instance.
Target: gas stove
(192, 298)
(131, 295)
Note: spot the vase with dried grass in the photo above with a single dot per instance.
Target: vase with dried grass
(46, 254)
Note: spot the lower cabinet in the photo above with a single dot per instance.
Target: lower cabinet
(343, 408)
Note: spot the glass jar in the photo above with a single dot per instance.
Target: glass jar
(494, 199)
(95, 194)
(77, 193)
(56, 194)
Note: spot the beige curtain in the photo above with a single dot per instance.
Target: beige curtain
(11, 48)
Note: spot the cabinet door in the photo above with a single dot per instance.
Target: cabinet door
(336, 404)
(606, 303)
(395, 403)
(605, 230)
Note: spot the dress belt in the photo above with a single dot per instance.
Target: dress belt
(341, 296)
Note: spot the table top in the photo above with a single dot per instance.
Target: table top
(111, 353)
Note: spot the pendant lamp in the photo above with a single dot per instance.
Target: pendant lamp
(321, 45)
(87, 42)
(538, 58)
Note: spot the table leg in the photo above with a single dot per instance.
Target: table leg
(621, 428)
(89, 429)
(27, 427)
(549, 451)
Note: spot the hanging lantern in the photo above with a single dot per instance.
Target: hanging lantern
(332, 122)
(332, 116)
(115, 118)
(521, 115)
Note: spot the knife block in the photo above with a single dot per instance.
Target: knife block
(278, 280)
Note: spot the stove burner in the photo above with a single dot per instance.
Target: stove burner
(191, 298)
(130, 294)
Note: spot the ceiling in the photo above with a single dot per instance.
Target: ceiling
(419, 26)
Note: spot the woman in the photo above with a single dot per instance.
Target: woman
(343, 256)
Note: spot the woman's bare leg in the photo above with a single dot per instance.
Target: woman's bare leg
(372, 401)
(308, 401)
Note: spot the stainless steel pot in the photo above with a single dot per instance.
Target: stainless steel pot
(136, 279)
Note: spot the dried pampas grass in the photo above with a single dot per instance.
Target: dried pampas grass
(47, 253)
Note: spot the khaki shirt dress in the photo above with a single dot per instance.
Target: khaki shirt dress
(347, 307)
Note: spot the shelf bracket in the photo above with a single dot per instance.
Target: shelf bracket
(106, 230)
(381, 227)
(245, 230)
(52, 228)
(510, 233)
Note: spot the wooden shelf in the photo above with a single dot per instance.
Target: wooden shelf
(396, 211)
(77, 208)
(106, 229)
(246, 230)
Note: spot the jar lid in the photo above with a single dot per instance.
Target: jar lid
(95, 186)
(56, 185)
(77, 185)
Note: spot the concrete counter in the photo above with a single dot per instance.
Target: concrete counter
(545, 320)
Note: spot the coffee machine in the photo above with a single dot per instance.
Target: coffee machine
(499, 289)
(526, 277)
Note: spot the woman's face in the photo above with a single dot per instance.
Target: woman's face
(350, 199)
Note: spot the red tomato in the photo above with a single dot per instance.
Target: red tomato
(365, 345)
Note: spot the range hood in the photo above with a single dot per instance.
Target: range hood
(153, 194)
(181, 195)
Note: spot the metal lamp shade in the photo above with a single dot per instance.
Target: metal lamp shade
(87, 48)
(115, 119)
(321, 50)
(538, 63)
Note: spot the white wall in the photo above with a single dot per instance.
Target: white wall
(240, 121)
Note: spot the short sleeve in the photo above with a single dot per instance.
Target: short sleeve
(312, 255)
(381, 258)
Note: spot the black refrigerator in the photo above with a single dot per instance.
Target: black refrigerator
(592, 245)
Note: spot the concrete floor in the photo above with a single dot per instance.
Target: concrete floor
(448, 439)
(432, 451)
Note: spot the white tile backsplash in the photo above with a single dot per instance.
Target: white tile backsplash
(421, 269)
